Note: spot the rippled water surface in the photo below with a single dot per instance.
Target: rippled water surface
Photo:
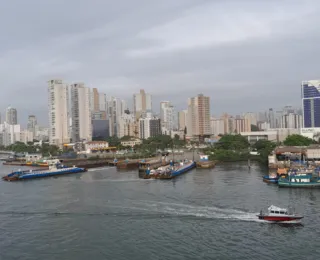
(105, 214)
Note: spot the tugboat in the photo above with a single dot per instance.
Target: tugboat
(279, 215)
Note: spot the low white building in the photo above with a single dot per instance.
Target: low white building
(33, 157)
(94, 146)
(276, 135)
(132, 142)
(312, 132)
(260, 135)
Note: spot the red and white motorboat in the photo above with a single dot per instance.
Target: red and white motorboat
(279, 215)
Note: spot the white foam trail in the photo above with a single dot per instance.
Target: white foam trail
(196, 211)
(110, 180)
(98, 169)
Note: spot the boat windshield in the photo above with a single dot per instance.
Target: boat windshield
(279, 212)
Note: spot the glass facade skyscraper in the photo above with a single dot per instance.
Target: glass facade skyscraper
(310, 93)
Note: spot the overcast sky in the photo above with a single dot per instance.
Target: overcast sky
(247, 55)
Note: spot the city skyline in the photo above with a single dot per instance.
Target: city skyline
(156, 107)
(235, 61)
(78, 113)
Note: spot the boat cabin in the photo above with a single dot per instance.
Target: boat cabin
(273, 210)
(204, 157)
(300, 178)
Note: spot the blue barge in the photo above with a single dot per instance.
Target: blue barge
(55, 169)
(171, 171)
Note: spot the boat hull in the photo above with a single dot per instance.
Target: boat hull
(268, 179)
(280, 218)
(299, 185)
(206, 165)
(283, 182)
(43, 174)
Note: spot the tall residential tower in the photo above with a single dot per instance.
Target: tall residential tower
(142, 103)
(198, 125)
(11, 116)
(81, 128)
(58, 100)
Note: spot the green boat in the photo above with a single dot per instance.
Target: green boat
(300, 181)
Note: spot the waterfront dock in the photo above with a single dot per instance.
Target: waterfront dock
(128, 165)
(86, 163)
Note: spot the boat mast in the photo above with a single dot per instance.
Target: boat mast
(173, 150)
(249, 162)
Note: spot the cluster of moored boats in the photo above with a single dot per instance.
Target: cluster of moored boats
(295, 177)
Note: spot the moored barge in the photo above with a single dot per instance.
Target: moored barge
(170, 172)
(54, 170)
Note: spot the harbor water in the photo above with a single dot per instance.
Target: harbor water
(203, 214)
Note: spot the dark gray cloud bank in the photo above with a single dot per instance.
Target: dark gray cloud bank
(247, 55)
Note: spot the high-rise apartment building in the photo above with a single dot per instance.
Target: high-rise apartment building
(163, 106)
(58, 104)
(127, 125)
(310, 94)
(103, 102)
(98, 105)
(11, 116)
(95, 99)
(81, 128)
(251, 117)
(142, 103)
(291, 120)
(182, 119)
(115, 111)
(32, 124)
(272, 118)
(217, 126)
(168, 117)
(242, 125)
(198, 117)
(149, 126)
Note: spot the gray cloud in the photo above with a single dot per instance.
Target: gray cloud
(247, 55)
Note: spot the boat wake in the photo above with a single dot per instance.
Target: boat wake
(99, 169)
(183, 210)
